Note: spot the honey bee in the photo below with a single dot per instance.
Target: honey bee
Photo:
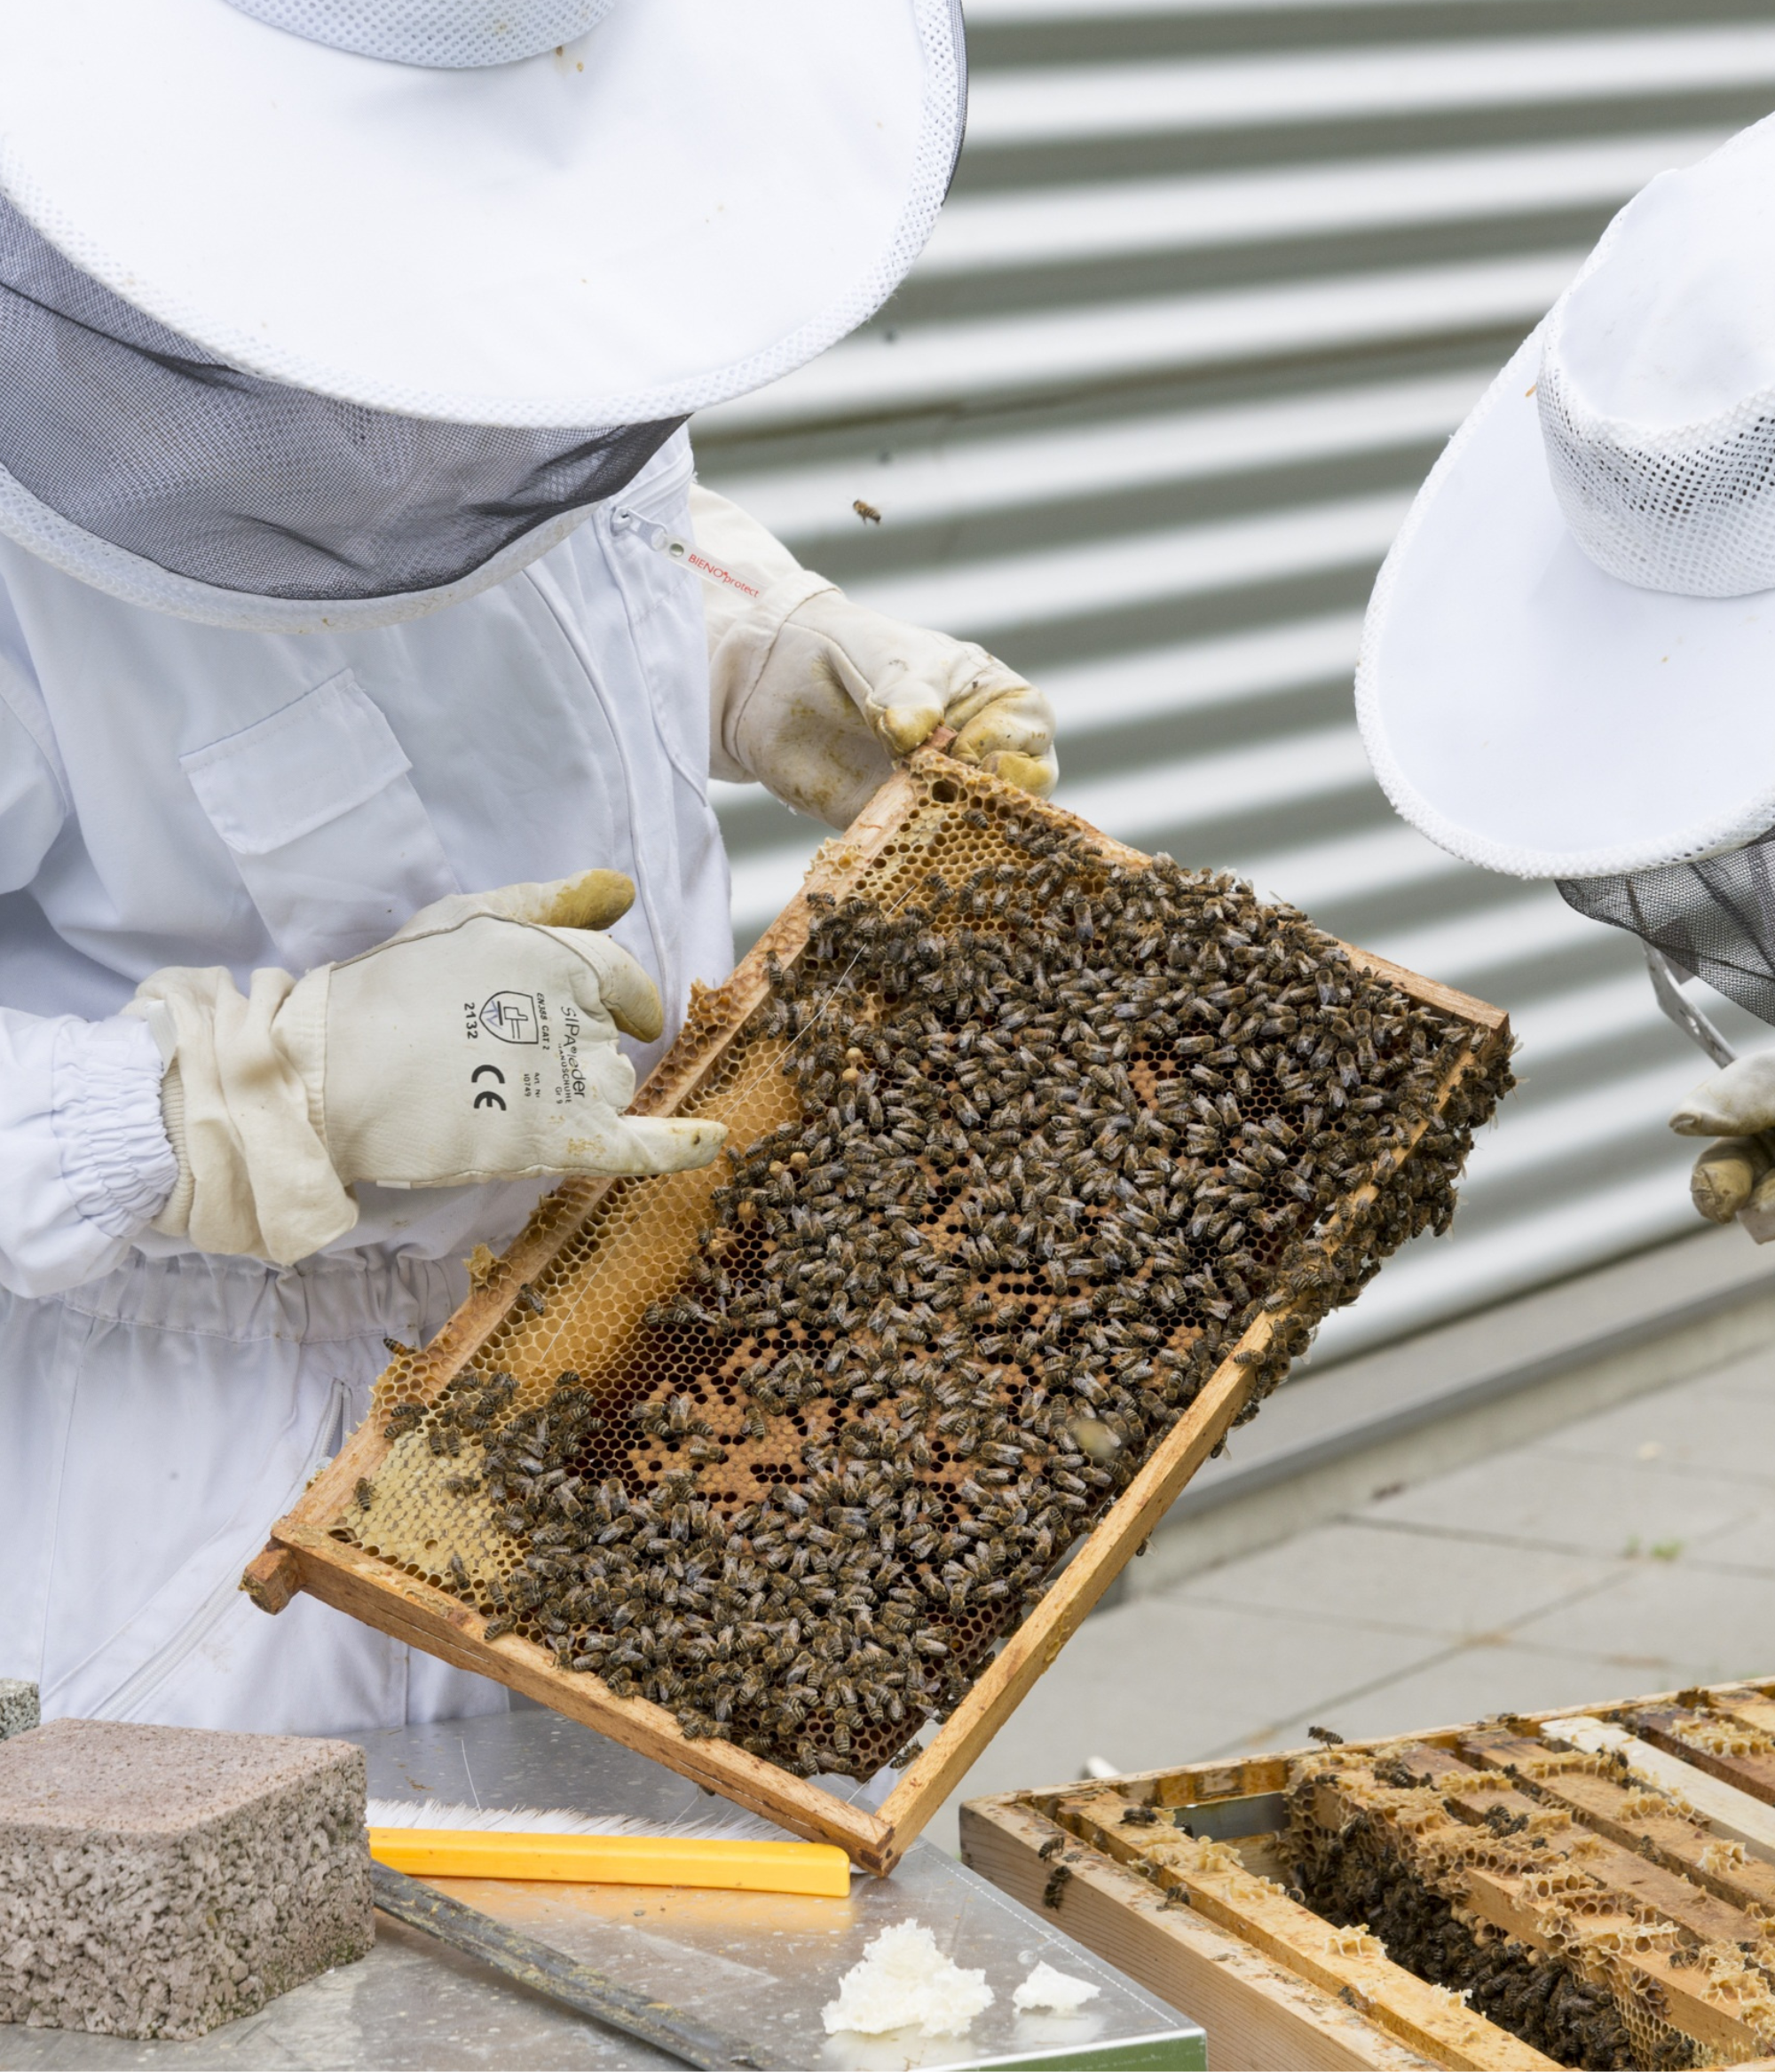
(867, 512)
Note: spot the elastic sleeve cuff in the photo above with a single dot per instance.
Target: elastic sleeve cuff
(117, 1161)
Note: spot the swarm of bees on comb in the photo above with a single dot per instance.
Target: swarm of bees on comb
(1355, 1878)
(1591, 1913)
(1063, 1129)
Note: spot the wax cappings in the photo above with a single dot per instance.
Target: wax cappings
(904, 1980)
(1048, 1991)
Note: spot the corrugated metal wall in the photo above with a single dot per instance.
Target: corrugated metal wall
(1215, 282)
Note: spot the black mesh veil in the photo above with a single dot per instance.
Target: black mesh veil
(1714, 918)
(142, 439)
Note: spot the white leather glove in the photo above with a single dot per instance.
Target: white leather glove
(477, 1043)
(1733, 1106)
(814, 696)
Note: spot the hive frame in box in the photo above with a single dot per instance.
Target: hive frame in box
(1274, 1985)
(304, 1555)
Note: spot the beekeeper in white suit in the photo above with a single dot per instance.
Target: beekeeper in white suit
(345, 694)
(1568, 668)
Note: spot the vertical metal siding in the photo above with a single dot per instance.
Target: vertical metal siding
(1215, 283)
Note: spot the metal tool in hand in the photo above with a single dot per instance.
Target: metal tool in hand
(1668, 981)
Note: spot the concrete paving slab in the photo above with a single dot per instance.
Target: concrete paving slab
(1442, 1586)
(1152, 1682)
(1713, 1426)
(1751, 1374)
(1566, 1503)
(1749, 1548)
(1663, 1614)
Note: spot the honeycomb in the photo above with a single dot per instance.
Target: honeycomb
(1717, 1736)
(1025, 1135)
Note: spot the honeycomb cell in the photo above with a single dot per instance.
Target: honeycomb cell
(1022, 1140)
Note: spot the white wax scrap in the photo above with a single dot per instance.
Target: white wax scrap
(903, 1980)
(1046, 1991)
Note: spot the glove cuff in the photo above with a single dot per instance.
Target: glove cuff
(241, 1103)
(299, 1034)
(174, 1220)
(739, 664)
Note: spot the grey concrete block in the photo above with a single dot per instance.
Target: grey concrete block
(18, 1706)
(156, 1881)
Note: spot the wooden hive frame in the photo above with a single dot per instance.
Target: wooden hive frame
(1277, 1986)
(305, 1554)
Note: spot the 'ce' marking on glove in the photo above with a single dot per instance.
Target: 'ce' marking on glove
(486, 1097)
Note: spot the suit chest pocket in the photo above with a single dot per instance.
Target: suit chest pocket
(316, 804)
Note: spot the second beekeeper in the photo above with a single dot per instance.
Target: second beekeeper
(1566, 667)
(355, 732)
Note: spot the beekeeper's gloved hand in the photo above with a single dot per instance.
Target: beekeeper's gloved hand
(814, 696)
(477, 1043)
(1732, 1107)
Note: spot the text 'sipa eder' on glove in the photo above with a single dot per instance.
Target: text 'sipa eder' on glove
(479, 1043)
(488, 1051)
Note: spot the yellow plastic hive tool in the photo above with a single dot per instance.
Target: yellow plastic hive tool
(814, 1867)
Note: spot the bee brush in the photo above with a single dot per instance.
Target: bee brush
(731, 1851)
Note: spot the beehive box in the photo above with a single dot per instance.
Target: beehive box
(1588, 1887)
(1047, 1158)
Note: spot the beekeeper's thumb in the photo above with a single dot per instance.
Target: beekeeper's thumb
(1738, 1102)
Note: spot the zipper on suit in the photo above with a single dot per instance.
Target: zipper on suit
(664, 541)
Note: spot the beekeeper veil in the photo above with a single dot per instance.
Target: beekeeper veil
(325, 313)
(1569, 667)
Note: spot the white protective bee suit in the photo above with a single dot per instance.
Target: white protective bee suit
(160, 808)
(362, 633)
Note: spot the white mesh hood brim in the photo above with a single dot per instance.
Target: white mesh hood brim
(136, 580)
(686, 204)
(434, 31)
(1534, 716)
